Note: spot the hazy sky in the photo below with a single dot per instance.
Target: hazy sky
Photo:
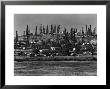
(66, 20)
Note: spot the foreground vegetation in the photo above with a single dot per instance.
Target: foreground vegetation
(55, 68)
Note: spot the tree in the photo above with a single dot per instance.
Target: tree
(78, 47)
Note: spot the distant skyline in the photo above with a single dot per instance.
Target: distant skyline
(66, 20)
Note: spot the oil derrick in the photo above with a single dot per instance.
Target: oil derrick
(66, 36)
(40, 29)
(94, 32)
(43, 30)
(36, 31)
(86, 30)
(47, 30)
(54, 29)
(27, 34)
(89, 31)
(16, 40)
(58, 29)
(51, 29)
(82, 32)
(73, 36)
(64, 32)
(82, 35)
(71, 33)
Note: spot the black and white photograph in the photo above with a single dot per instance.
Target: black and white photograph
(55, 44)
(50, 43)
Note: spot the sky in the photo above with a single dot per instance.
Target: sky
(65, 20)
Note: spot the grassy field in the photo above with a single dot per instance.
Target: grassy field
(55, 68)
